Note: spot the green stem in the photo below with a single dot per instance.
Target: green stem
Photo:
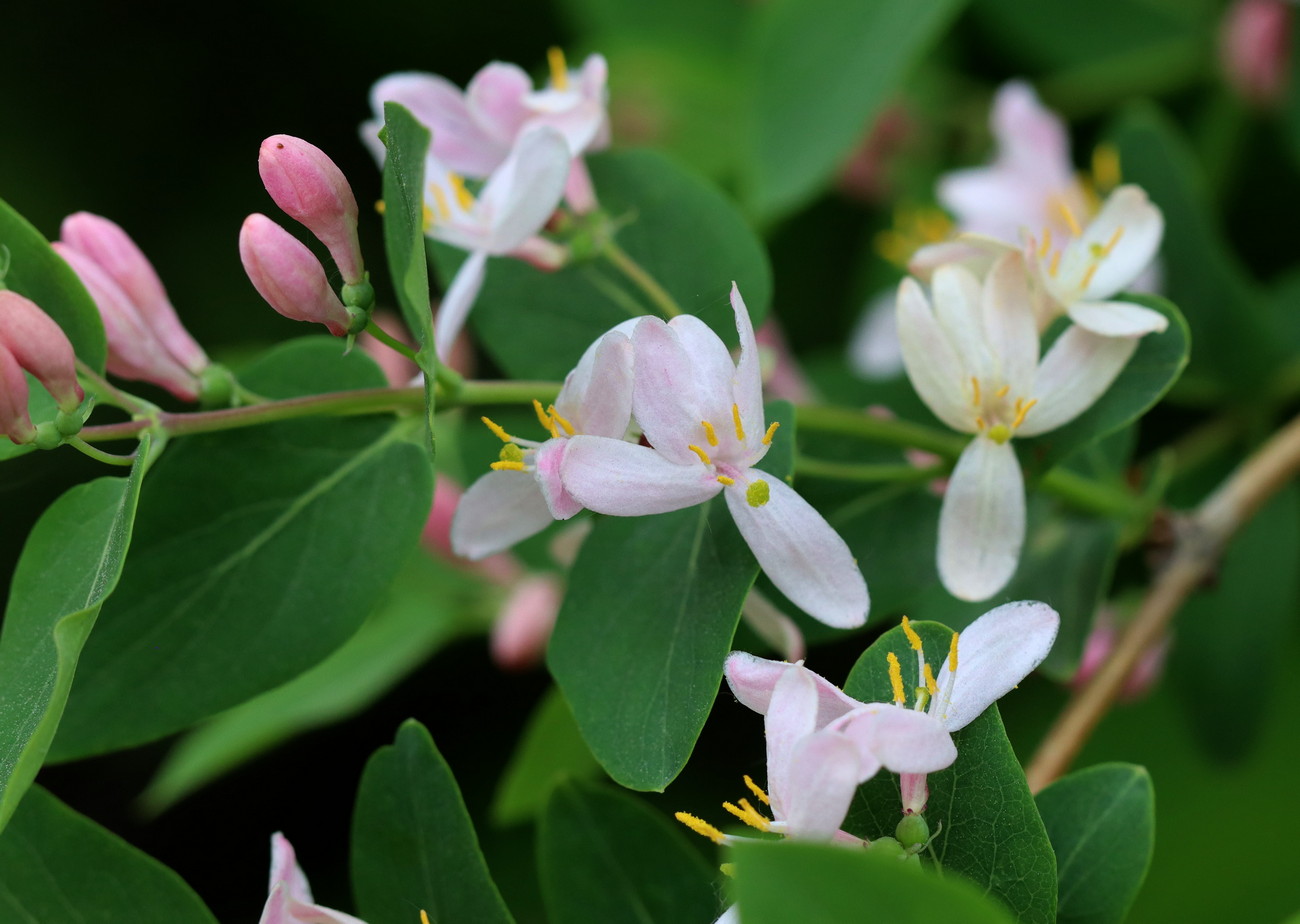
(99, 455)
(111, 394)
(390, 341)
(1089, 495)
(845, 421)
(666, 304)
(806, 467)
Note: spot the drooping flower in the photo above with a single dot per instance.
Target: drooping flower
(290, 901)
(31, 341)
(974, 360)
(702, 414)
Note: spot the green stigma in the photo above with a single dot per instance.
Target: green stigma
(758, 493)
(511, 453)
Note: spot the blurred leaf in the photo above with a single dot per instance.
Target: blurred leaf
(777, 883)
(822, 71)
(413, 845)
(37, 272)
(679, 228)
(1102, 824)
(69, 566)
(605, 856)
(551, 750)
(992, 833)
(257, 553)
(56, 865)
(1220, 649)
(641, 638)
(429, 604)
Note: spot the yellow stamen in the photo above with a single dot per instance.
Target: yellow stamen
(1020, 414)
(380, 206)
(723, 479)
(559, 69)
(896, 678)
(1002, 392)
(710, 434)
(555, 415)
(426, 218)
(1068, 215)
(952, 655)
(1054, 265)
(757, 791)
(767, 437)
(504, 466)
(545, 419)
(424, 917)
(1105, 166)
(979, 423)
(975, 386)
(440, 200)
(464, 198)
(930, 686)
(497, 430)
(735, 419)
(912, 638)
(1047, 243)
(1087, 277)
(748, 814)
(1114, 239)
(704, 456)
(700, 826)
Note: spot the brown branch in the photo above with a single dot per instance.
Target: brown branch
(1200, 539)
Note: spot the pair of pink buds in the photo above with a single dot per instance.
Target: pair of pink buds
(30, 341)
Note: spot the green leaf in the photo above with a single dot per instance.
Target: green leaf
(606, 856)
(56, 865)
(1102, 824)
(645, 627)
(257, 553)
(428, 605)
(36, 271)
(551, 750)
(407, 142)
(777, 883)
(823, 69)
(413, 845)
(992, 833)
(69, 566)
(676, 225)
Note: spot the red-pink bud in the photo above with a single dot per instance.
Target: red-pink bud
(312, 190)
(289, 276)
(1255, 48)
(41, 347)
(15, 422)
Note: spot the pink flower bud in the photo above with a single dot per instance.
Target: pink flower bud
(312, 189)
(523, 627)
(15, 422)
(41, 347)
(289, 276)
(1255, 48)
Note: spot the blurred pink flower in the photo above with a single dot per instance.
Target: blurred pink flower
(1255, 49)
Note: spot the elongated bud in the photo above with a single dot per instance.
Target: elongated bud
(312, 190)
(289, 276)
(41, 347)
(15, 422)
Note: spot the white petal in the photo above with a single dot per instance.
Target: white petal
(1143, 226)
(957, 298)
(714, 372)
(902, 740)
(627, 480)
(548, 462)
(976, 252)
(1076, 371)
(498, 510)
(747, 386)
(752, 680)
(682, 376)
(799, 551)
(1118, 319)
(1009, 322)
(823, 775)
(522, 194)
(995, 653)
(773, 626)
(982, 523)
(597, 394)
(791, 717)
(456, 304)
(936, 371)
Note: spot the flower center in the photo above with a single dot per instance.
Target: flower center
(997, 415)
(515, 459)
(757, 492)
(927, 692)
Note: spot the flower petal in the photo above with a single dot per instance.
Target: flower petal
(902, 740)
(935, 368)
(982, 522)
(1118, 319)
(680, 379)
(495, 101)
(802, 555)
(956, 295)
(597, 394)
(772, 626)
(874, 351)
(627, 480)
(791, 717)
(747, 377)
(822, 777)
(458, 300)
(498, 510)
(1076, 371)
(458, 141)
(548, 462)
(1139, 225)
(976, 252)
(752, 680)
(522, 194)
(1009, 322)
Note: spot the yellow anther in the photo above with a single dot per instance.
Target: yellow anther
(771, 431)
(1047, 243)
(704, 456)
(952, 655)
(757, 791)
(1087, 277)
(545, 419)
(1020, 414)
(559, 68)
(1114, 239)
(912, 638)
(1068, 215)
(748, 814)
(1054, 265)
(979, 423)
(464, 198)
(758, 493)
(930, 686)
(700, 826)
(440, 201)
(506, 466)
(497, 430)
(555, 415)
(380, 206)
(896, 678)
(710, 434)
(735, 419)
(723, 479)
(424, 916)
(1105, 166)
(975, 387)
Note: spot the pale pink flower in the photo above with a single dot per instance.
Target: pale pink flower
(1255, 49)
(35, 342)
(289, 276)
(523, 625)
(290, 901)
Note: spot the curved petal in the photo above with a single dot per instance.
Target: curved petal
(772, 626)
(439, 104)
(1118, 319)
(791, 717)
(668, 399)
(747, 389)
(752, 680)
(1076, 371)
(714, 375)
(1009, 322)
(522, 194)
(982, 522)
(902, 740)
(457, 302)
(823, 775)
(936, 370)
(976, 252)
(957, 296)
(802, 555)
(627, 480)
(495, 100)
(548, 462)
(597, 394)
(498, 510)
(1130, 227)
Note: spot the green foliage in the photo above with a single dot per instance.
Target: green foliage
(1102, 824)
(413, 846)
(605, 856)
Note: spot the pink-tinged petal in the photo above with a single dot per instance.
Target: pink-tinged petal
(914, 792)
(41, 347)
(548, 461)
(791, 717)
(495, 98)
(626, 480)
(752, 680)
(956, 295)
(993, 201)
(597, 394)
(902, 740)
(668, 399)
(1118, 319)
(288, 275)
(522, 194)
(974, 251)
(523, 627)
(995, 653)
(1029, 133)
(286, 871)
(1130, 227)
(711, 392)
(15, 421)
(748, 375)
(824, 772)
(579, 191)
(498, 510)
(773, 626)
(1076, 371)
(1009, 322)
(799, 551)
(937, 372)
(458, 141)
(982, 522)
(464, 288)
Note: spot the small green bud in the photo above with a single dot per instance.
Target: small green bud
(888, 847)
(359, 318)
(216, 387)
(67, 424)
(913, 831)
(48, 436)
(359, 295)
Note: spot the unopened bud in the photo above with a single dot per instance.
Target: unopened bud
(888, 847)
(41, 347)
(523, 627)
(912, 831)
(289, 276)
(311, 189)
(68, 424)
(15, 422)
(48, 436)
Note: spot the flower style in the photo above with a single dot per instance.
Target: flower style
(974, 360)
(290, 901)
(983, 664)
(524, 492)
(702, 414)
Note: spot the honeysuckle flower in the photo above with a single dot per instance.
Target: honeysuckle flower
(974, 360)
(524, 491)
(515, 202)
(34, 342)
(290, 278)
(982, 664)
(146, 341)
(702, 414)
(290, 901)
